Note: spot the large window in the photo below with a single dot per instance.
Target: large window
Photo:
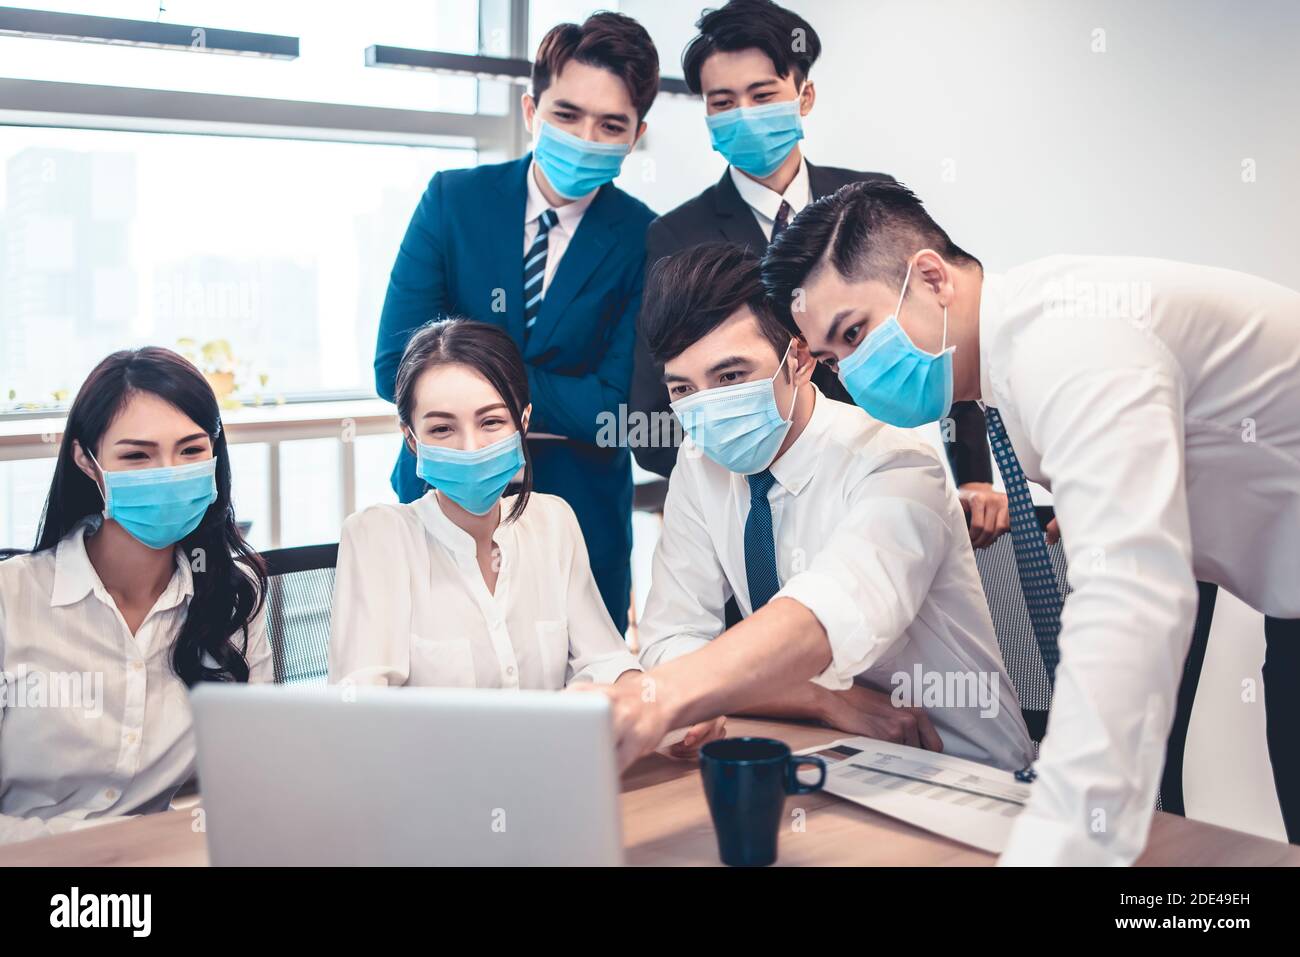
(277, 249)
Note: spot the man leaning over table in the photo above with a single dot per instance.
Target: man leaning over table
(780, 492)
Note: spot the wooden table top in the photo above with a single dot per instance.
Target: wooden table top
(666, 823)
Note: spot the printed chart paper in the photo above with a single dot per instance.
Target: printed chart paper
(953, 797)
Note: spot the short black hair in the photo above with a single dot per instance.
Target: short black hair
(865, 230)
(691, 293)
(611, 41)
(787, 39)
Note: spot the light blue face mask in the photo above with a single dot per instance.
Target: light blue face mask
(738, 426)
(893, 380)
(159, 506)
(757, 139)
(574, 166)
(474, 480)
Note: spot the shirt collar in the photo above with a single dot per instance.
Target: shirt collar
(766, 202)
(569, 215)
(75, 577)
(447, 532)
(992, 315)
(795, 468)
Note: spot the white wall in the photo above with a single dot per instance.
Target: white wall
(1024, 142)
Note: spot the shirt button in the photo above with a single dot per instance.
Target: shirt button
(111, 794)
(137, 665)
(510, 670)
(131, 738)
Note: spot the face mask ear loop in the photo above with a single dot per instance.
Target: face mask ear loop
(943, 348)
(794, 396)
(102, 478)
(903, 292)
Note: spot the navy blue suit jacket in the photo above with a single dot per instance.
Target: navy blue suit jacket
(463, 255)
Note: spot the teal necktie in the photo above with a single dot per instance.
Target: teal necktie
(760, 545)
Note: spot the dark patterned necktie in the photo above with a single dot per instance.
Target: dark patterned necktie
(1037, 579)
(760, 545)
(782, 219)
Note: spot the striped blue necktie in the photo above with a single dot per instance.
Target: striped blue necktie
(535, 269)
(1037, 579)
(760, 545)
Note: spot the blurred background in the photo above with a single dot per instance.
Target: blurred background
(246, 209)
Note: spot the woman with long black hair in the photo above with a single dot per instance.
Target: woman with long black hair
(140, 586)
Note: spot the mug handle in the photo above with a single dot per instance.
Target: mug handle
(793, 785)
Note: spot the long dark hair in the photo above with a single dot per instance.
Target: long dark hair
(228, 593)
(487, 350)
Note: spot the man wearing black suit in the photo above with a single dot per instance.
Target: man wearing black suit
(750, 61)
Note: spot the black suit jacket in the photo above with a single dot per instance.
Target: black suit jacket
(719, 213)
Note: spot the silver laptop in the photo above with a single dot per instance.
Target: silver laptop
(406, 776)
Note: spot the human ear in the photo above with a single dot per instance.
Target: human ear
(934, 272)
(804, 362)
(807, 97)
(83, 462)
(529, 106)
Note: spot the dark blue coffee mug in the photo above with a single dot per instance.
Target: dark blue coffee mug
(746, 781)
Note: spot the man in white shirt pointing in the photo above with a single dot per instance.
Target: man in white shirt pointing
(780, 491)
(1158, 401)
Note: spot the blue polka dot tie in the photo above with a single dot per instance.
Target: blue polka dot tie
(760, 545)
(1037, 579)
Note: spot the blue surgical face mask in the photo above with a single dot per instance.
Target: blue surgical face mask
(738, 426)
(159, 506)
(474, 480)
(757, 139)
(574, 166)
(893, 380)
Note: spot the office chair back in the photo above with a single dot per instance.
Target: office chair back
(300, 590)
(11, 553)
(1001, 580)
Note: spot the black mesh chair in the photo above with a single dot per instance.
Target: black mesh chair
(11, 552)
(301, 587)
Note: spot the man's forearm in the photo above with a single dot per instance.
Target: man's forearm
(803, 702)
(770, 654)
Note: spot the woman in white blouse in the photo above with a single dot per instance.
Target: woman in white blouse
(139, 587)
(464, 588)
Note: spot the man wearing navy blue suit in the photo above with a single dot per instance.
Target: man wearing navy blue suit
(548, 248)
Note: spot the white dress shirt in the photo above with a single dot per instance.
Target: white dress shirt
(95, 723)
(766, 203)
(557, 240)
(871, 538)
(1160, 403)
(411, 606)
